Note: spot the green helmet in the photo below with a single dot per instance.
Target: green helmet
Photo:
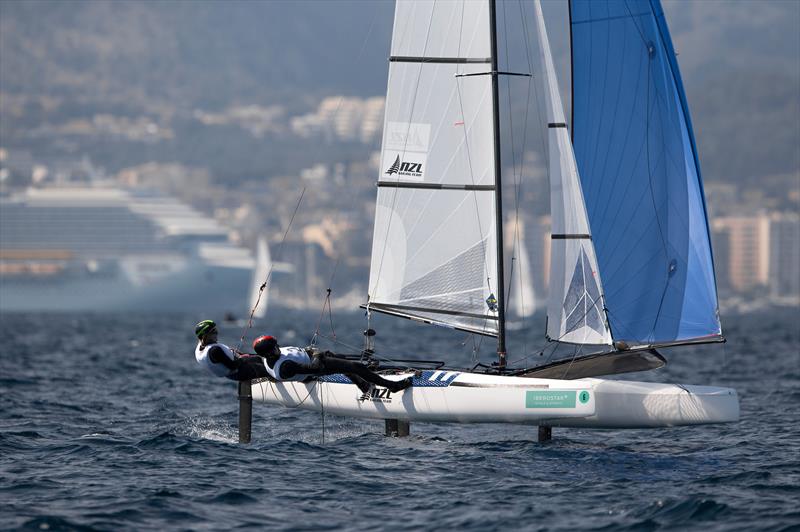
(202, 328)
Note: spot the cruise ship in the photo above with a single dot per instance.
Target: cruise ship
(112, 249)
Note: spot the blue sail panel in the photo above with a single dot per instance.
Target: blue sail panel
(638, 164)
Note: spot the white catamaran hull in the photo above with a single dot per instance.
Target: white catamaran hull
(451, 396)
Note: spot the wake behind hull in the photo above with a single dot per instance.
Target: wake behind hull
(456, 397)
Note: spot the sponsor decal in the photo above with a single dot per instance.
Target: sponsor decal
(405, 137)
(583, 397)
(404, 168)
(407, 166)
(376, 395)
(405, 150)
(550, 399)
(491, 302)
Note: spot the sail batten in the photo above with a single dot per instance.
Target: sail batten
(453, 60)
(638, 163)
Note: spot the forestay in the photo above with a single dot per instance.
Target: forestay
(575, 309)
(434, 243)
(638, 165)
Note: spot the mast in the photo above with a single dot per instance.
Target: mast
(571, 78)
(501, 298)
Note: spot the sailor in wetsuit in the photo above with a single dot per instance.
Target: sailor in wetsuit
(223, 361)
(295, 364)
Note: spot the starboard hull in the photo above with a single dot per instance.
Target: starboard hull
(461, 397)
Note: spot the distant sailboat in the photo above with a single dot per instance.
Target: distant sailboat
(631, 264)
(522, 296)
(259, 300)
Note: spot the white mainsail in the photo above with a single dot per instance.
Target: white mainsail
(575, 311)
(434, 243)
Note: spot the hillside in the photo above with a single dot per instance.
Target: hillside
(66, 66)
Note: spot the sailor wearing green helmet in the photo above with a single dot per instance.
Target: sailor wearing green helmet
(223, 361)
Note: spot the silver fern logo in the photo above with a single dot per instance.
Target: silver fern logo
(395, 167)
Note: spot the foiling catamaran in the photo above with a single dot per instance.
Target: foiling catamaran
(631, 264)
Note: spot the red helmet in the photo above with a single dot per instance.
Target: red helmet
(265, 344)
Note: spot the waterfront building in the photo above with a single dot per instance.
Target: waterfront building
(784, 256)
(741, 247)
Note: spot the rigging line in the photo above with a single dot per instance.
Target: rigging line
(472, 179)
(474, 355)
(522, 162)
(269, 274)
(633, 19)
(619, 323)
(319, 321)
(525, 33)
(322, 414)
(516, 246)
(469, 162)
(475, 196)
(578, 349)
(281, 398)
(374, 355)
(556, 342)
(543, 131)
(664, 247)
(328, 303)
(515, 238)
(405, 146)
(518, 192)
(553, 346)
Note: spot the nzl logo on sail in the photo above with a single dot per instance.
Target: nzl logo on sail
(405, 168)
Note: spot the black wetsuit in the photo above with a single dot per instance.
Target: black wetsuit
(326, 363)
(249, 367)
(244, 367)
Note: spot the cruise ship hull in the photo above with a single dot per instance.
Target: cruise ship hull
(198, 287)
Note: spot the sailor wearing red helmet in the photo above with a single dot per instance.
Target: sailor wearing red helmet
(295, 364)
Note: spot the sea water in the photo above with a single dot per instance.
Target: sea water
(108, 423)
